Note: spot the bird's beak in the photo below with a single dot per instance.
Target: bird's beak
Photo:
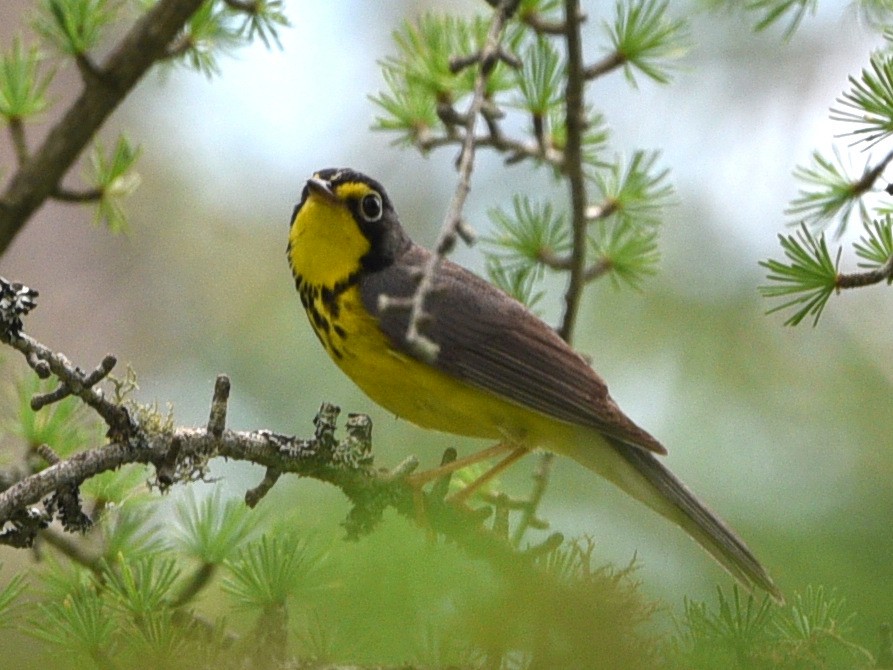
(321, 188)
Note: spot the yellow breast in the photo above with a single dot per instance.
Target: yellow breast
(409, 388)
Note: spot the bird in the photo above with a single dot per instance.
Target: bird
(497, 372)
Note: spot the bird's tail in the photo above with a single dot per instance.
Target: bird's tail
(640, 474)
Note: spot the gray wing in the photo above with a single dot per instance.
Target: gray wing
(493, 342)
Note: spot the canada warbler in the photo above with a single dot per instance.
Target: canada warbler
(499, 371)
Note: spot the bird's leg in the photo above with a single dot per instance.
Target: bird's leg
(423, 478)
(461, 496)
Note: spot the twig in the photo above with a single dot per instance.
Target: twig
(73, 381)
(575, 124)
(452, 222)
(217, 419)
(246, 6)
(255, 495)
(540, 482)
(595, 270)
(542, 25)
(610, 62)
(39, 177)
(867, 180)
(75, 551)
(199, 579)
(858, 279)
(516, 149)
(67, 195)
(17, 134)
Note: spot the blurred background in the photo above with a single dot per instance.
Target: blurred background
(785, 432)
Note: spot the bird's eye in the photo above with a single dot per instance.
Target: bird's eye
(370, 207)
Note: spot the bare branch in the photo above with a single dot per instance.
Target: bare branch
(859, 279)
(602, 67)
(39, 177)
(866, 182)
(217, 420)
(17, 134)
(67, 195)
(542, 25)
(31, 501)
(575, 122)
(423, 346)
(595, 270)
(73, 381)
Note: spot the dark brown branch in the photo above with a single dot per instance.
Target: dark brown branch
(542, 25)
(858, 279)
(67, 195)
(255, 495)
(39, 177)
(602, 67)
(516, 150)
(459, 63)
(866, 182)
(17, 134)
(245, 6)
(217, 419)
(575, 124)
(590, 273)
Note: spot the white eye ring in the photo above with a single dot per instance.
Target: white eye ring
(371, 208)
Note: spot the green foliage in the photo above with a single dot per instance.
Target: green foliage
(869, 103)
(114, 179)
(9, 595)
(808, 280)
(22, 85)
(78, 28)
(218, 28)
(425, 52)
(423, 82)
(528, 234)
(644, 38)
(539, 80)
(519, 281)
(140, 587)
(263, 20)
(208, 35)
(269, 571)
(876, 245)
(636, 193)
(775, 10)
(130, 529)
(628, 252)
(77, 627)
(75, 27)
(829, 192)
(408, 110)
(65, 426)
(115, 486)
(810, 634)
(211, 530)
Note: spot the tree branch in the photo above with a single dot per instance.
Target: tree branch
(859, 279)
(573, 165)
(602, 67)
(453, 224)
(182, 454)
(39, 177)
